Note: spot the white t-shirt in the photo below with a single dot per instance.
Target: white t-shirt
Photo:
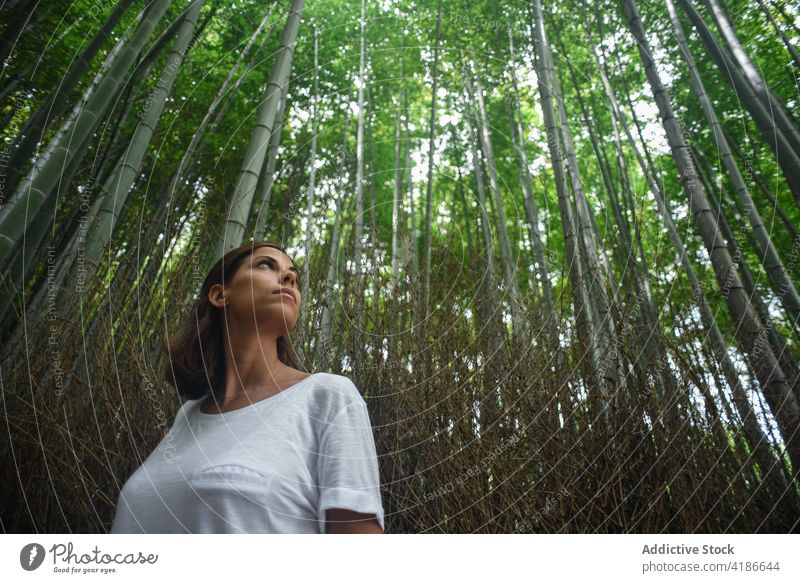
(273, 466)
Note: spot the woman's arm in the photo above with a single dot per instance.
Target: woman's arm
(341, 521)
(347, 473)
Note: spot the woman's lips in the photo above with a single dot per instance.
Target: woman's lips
(287, 293)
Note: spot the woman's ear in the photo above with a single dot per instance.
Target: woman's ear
(216, 295)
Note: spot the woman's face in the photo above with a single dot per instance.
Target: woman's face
(263, 292)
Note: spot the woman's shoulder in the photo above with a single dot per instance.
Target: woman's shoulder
(333, 392)
(185, 411)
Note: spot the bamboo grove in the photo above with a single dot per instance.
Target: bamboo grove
(554, 244)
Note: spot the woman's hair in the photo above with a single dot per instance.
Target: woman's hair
(196, 357)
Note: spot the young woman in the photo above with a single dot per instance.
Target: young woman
(260, 446)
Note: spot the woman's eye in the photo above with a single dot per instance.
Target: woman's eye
(265, 263)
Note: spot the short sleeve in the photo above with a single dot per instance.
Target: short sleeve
(347, 465)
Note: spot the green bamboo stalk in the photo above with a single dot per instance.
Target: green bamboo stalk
(770, 259)
(38, 196)
(748, 326)
(787, 157)
(242, 199)
(114, 192)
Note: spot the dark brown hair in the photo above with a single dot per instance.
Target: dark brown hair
(196, 358)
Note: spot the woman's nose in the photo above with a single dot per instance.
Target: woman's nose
(290, 277)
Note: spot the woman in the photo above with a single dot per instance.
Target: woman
(260, 446)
